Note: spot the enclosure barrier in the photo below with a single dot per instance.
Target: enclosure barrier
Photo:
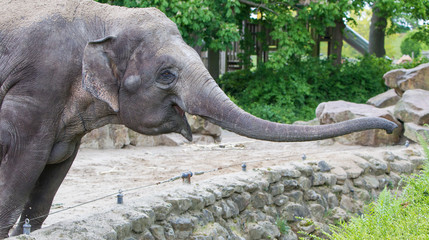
(303, 188)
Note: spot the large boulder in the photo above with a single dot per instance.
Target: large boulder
(386, 99)
(109, 136)
(201, 126)
(405, 79)
(413, 107)
(338, 111)
(412, 131)
(118, 136)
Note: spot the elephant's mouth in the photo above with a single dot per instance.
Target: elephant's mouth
(179, 110)
(185, 129)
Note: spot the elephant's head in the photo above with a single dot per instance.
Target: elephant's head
(150, 78)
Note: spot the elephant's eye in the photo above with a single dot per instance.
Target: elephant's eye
(167, 76)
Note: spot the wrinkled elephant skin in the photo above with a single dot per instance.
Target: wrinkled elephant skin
(68, 67)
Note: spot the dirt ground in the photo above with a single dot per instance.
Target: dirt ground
(97, 173)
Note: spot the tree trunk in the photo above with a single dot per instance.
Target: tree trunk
(377, 33)
(336, 44)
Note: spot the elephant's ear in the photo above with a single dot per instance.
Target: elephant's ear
(99, 75)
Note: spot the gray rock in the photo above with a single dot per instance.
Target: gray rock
(230, 209)
(362, 195)
(242, 200)
(311, 195)
(255, 231)
(305, 169)
(371, 182)
(272, 176)
(179, 204)
(293, 210)
(251, 187)
(317, 211)
(338, 111)
(227, 191)
(340, 174)
(162, 210)
(182, 224)
(348, 204)
(405, 79)
(332, 201)
(324, 166)
(157, 232)
(411, 108)
(291, 173)
(331, 179)
(259, 199)
(339, 214)
(354, 172)
(280, 200)
(204, 127)
(295, 196)
(401, 167)
(318, 179)
(304, 183)
(337, 189)
(277, 189)
(290, 184)
(139, 222)
(197, 202)
(412, 131)
(147, 235)
(386, 99)
(378, 167)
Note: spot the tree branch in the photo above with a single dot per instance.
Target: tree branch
(260, 5)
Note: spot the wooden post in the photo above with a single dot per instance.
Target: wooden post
(213, 59)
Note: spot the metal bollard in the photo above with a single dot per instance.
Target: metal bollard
(186, 177)
(120, 197)
(244, 167)
(26, 228)
(407, 143)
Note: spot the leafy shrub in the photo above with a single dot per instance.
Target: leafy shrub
(394, 217)
(410, 46)
(293, 92)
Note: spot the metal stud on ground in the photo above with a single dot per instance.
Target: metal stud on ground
(26, 228)
(120, 197)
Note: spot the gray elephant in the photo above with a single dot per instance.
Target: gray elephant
(68, 67)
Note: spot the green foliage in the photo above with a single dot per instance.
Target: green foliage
(411, 46)
(394, 217)
(282, 225)
(206, 23)
(293, 92)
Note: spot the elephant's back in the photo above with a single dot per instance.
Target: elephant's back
(22, 13)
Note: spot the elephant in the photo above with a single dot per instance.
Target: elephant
(70, 66)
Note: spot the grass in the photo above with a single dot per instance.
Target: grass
(392, 216)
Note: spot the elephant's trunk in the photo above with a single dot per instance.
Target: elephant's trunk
(210, 102)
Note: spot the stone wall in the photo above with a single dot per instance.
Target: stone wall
(273, 203)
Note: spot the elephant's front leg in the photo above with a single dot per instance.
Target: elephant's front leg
(18, 175)
(40, 201)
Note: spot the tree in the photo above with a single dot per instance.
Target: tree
(391, 16)
(411, 47)
(203, 23)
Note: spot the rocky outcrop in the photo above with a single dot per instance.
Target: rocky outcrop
(275, 203)
(405, 79)
(118, 136)
(386, 99)
(413, 107)
(338, 111)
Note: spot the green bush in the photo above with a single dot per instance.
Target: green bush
(293, 92)
(410, 46)
(393, 216)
